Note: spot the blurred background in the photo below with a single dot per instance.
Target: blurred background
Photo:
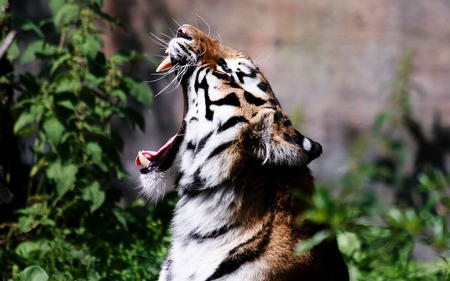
(369, 80)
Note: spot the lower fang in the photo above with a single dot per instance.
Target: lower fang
(144, 161)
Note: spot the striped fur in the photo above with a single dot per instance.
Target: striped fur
(236, 161)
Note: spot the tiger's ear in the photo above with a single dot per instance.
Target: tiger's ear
(274, 143)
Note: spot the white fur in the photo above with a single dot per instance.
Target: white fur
(205, 214)
(153, 185)
(250, 84)
(307, 144)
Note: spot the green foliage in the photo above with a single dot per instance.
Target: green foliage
(378, 232)
(71, 227)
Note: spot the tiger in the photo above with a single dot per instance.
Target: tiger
(236, 162)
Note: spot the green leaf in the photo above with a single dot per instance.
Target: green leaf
(27, 25)
(382, 119)
(65, 15)
(67, 104)
(54, 130)
(13, 51)
(95, 151)
(36, 47)
(24, 119)
(95, 195)
(55, 5)
(119, 94)
(140, 90)
(24, 223)
(307, 245)
(63, 175)
(32, 273)
(6, 79)
(118, 213)
(3, 4)
(58, 62)
(25, 249)
(349, 243)
(67, 83)
(94, 80)
(91, 46)
(120, 58)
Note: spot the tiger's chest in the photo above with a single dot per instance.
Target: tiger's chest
(205, 232)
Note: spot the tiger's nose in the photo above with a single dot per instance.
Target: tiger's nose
(181, 31)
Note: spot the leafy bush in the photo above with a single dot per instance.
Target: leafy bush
(71, 227)
(377, 238)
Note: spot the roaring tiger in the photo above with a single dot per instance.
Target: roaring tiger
(236, 162)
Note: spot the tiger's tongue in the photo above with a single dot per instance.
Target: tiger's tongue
(165, 64)
(144, 157)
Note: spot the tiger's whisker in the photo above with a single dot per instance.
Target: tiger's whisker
(209, 27)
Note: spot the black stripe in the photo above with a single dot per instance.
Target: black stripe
(245, 252)
(167, 265)
(183, 47)
(263, 86)
(278, 115)
(233, 84)
(201, 84)
(230, 99)
(205, 86)
(274, 102)
(202, 142)
(178, 178)
(220, 75)
(193, 119)
(220, 148)
(190, 145)
(296, 139)
(213, 234)
(232, 122)
(192, 190)
(189, 194)
(287, 123)
(222, 63)
(253, 100)
(240, 74)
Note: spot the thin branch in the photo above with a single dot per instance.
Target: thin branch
(7, 43)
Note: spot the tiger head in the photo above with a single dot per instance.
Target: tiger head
(231, 117)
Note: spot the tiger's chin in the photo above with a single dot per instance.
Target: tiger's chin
(156, 167)
(153, 184)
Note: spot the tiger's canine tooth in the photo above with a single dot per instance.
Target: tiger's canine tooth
(144, 161)
(165, 64)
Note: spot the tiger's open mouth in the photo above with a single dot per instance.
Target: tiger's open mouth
(164, 157)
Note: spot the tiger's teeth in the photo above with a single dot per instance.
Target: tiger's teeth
(165, 64)
(167, 51)
(144, 161)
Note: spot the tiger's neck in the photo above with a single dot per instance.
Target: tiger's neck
(206, 158)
